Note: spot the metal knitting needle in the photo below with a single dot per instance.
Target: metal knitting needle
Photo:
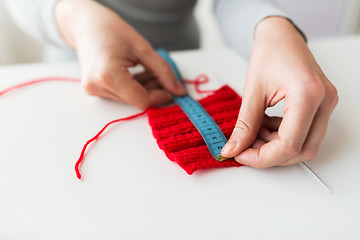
(316, 176)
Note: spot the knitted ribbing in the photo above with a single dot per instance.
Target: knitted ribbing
(182, 142)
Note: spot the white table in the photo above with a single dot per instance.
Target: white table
(130, 190)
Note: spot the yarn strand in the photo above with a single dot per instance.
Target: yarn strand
(200, 79)
(40, 80)
(82, 154)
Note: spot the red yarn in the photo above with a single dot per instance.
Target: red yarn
(200, 79)
(81, 158)
(182, 142)
(24, 84)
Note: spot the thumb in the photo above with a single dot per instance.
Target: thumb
(155, 64)
(247, 125)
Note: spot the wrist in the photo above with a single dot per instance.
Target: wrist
(279, 29)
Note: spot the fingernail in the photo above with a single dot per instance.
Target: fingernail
(229, 147)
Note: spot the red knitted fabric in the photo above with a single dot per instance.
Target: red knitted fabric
(181, 141)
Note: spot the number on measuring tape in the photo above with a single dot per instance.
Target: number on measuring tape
(204, 123)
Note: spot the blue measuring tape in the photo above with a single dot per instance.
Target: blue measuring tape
(205, 124)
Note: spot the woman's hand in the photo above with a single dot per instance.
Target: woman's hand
(281, 67)
(106, 47)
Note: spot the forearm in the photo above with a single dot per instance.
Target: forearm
(75, 18)
(277, 29)
(245, 21)
(65, 17)
(276, 38)
(239, 18)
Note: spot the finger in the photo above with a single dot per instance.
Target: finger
(261, 157)
(290, 162)
(144, 77)
(272, 123)
(247, 125)
(316, 134)
(160, 69)
(258, 143)
(127, 88)
(148, 81)
(151, 85)
(136, 94)
(266, 135)
(141, 97)
(298, 117)
(157, 94)
(292, 133)
(159, 97)
(95, 90)
(109, 95)
(131, 91)
(104, 93)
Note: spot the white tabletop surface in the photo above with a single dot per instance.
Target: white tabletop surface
(130, 190)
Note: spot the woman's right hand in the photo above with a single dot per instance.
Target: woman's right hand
(106, 47)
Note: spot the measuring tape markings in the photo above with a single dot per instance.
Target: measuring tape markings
(204, 123)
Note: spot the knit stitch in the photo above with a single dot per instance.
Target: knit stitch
(182, 142)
